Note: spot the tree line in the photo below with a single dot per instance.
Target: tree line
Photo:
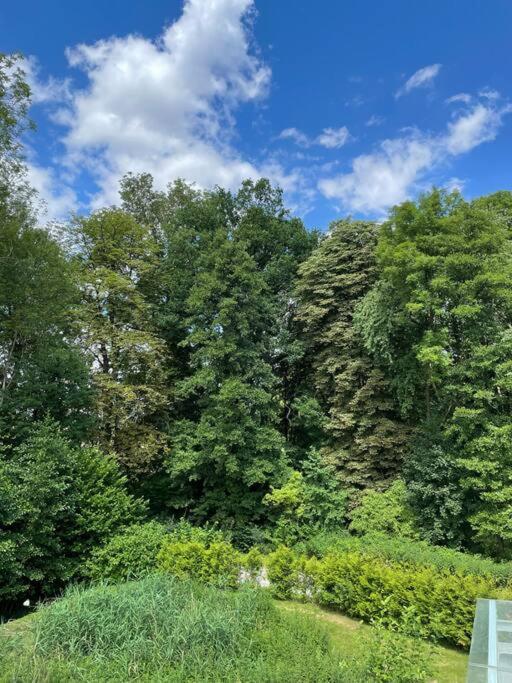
(202, 354)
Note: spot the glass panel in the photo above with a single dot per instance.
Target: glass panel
(490, 657)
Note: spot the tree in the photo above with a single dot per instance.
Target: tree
(57, 502)
(437, 320)
(278, 244)
(41, 370)
(366, 439)
(228, 450)
(116, 257)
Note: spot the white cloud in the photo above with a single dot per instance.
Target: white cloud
(56, 204)
(387, 175)
(333, 138)
(167, 106)
(419, 79)
(463, 97)
(296, 135)
(455, 183)
(375, 120)
(479, 125)
(490, 94)
(50, 90)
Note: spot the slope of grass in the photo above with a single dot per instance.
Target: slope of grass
(350, 638)
(160, 629)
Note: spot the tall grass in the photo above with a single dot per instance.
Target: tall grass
(162, 629)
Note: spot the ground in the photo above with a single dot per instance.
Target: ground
(450, 664)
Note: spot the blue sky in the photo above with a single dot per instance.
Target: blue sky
(351, 106)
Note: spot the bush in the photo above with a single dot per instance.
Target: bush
(424, 601)
(57, 502)
(283, 570)
(385, 512)
(128, 555)
(394, 659)
(308, 501)
(216, 564)
(415, 553)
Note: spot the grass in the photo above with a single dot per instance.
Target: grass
(350, 638)
(160, 629)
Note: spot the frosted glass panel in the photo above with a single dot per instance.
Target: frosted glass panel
(490, 657)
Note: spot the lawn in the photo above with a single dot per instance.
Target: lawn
(348, 637)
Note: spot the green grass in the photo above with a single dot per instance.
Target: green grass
(160, 629)
(350, 638)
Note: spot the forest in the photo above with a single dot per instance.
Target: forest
(199, 363)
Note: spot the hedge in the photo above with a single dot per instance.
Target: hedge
(417, 553)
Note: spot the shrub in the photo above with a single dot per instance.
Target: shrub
(283, 569)
(394, 659)
(416, 553)
(128, 555)
(385, 512)
(424, 601)
(56, 503)
(252, 563)
(308, 501)
(217, 564)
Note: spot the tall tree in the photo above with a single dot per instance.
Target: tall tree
(366, 439)
(41, 370)
(115, 258)
(229, 447)
(439, 319)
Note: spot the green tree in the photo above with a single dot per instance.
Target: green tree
(57, 502)
(366, 440)
(115, 258)
(436, 321)
(229, 448)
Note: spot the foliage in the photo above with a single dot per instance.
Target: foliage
(308, 501)
(162, 629)
(283, 571)
(437, 322)
(230, 445)
(215, 564)
(393, 659)
(129, 554)
(115, 257)
(388, 513)
(57, 502)
(422, 601)
(411, 552)
(366, 439)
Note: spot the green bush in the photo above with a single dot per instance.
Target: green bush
(128, 555)
(395, 659)
(416, 553)
(385, 512)
(424, 601)
(284, 573)
(216, 564)
(57, 502)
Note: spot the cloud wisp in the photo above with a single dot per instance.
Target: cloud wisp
(330, 138)
(420, 79)
(387, 176)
